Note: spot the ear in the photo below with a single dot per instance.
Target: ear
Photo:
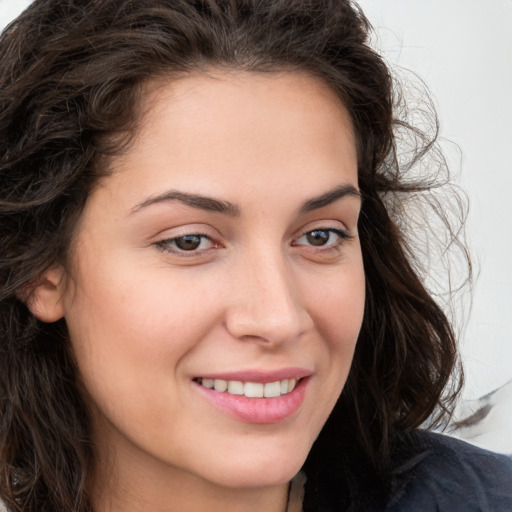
(43, 296)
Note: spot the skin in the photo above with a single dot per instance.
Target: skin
(145, 317)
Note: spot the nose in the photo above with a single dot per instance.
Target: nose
(266, 305)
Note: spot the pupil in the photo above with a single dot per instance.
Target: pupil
(318, 237)
(188, 242)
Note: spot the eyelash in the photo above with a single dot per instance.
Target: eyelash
(342, 237)
(165, 245)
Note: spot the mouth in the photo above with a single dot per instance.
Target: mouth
(253, 397)
(250, 389)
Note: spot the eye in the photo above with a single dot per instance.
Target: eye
(190, 243)
(323, 238)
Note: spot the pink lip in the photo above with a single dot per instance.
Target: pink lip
(258, 410)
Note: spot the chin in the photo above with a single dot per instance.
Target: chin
(265, 468)
(272, 475)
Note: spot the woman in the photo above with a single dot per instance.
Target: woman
(205, 286)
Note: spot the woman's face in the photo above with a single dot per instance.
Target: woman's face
(222, 250)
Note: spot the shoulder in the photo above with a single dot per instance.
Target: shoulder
(439, 473)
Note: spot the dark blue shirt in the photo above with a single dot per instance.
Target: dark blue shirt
(429, 472)
(442, 474)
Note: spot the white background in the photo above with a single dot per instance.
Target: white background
(463, 51)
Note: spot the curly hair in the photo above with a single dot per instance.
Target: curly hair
(71, 77)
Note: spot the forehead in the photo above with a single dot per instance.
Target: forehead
(241, 97)
(209, 131)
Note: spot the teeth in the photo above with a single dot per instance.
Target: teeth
(253, 390)
(235, 387)
(208, 383)
(272, 389)
(250, 389)
(220, 385)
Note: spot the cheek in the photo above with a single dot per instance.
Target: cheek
(137, 307)
(130, 337)
(339, 314)
(132, 327)
(338, 307)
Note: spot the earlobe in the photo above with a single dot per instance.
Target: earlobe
(43, 297)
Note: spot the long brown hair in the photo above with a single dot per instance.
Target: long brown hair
(71, 76)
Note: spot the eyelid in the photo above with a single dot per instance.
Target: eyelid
(166, 247)
(326, 224)
(166, 244)
(165, 240)
(342, 233)
(333, 248)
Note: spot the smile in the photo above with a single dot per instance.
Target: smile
(251, 400)
(250, 389)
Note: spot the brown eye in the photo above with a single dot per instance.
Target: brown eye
(324, 239)
(318, 237)
(194, 244)
(188, 242)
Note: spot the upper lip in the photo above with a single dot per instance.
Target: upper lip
(261, 376)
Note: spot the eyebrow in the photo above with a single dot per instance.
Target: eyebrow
(227, 208)
(195, 200)
(330, 197)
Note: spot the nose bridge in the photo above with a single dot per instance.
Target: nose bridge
(267, 305)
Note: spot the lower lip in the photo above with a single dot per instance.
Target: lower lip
(257, 410)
